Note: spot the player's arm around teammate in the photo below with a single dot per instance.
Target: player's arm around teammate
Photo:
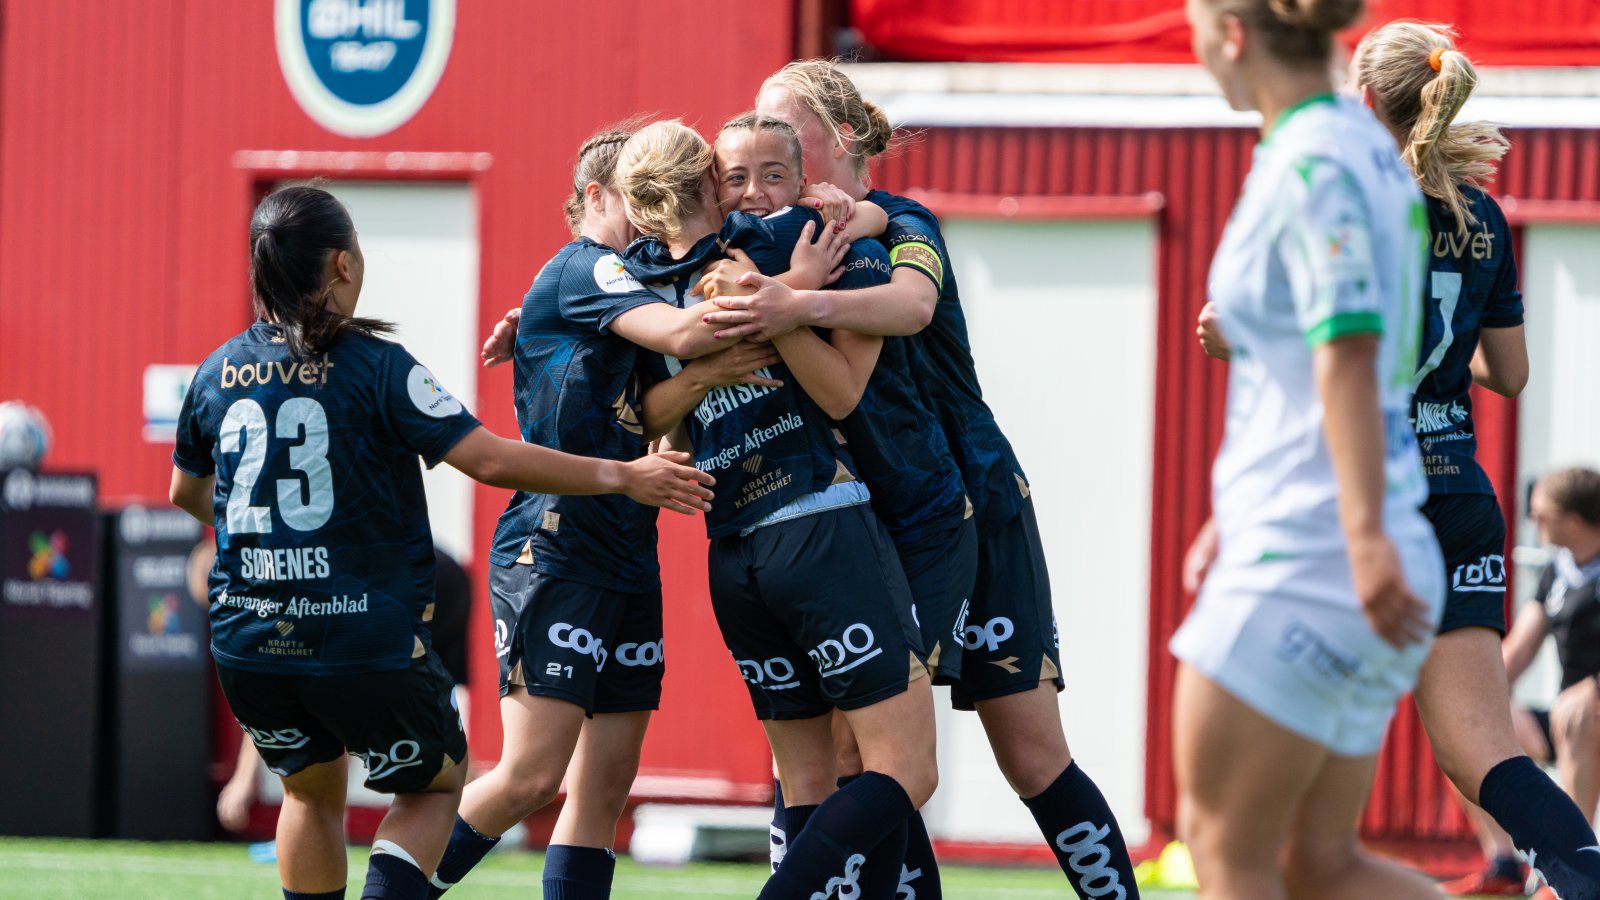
(1011, 672)
(310, 393)
(837, 635)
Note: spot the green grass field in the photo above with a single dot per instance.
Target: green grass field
(39, 869)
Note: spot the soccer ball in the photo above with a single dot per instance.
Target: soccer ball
(24, 436)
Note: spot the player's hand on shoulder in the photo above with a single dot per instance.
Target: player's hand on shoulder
(1209, 331)
(665, 481)
(774, 309)
(721, 279)
(503, 340)
(831, 201)
(1394, 612)
(812, 265)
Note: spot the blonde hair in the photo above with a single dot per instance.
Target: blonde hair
(833, 98)
(659, 172)
(597, 162)
(1421, 104)
(1296, 32)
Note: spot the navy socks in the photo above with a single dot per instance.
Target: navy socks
(885, 869)
(393, 875)
(298, 895)
(828, 854)
(466, 849)
(1083, 834)
(1545, 825)
(777, 834)
(578, 873)
(919, 874)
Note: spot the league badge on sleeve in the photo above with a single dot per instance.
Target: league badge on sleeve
(429, 395)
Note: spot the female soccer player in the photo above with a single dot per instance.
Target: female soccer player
(575, 584)
(1416, 82)
(805, 584)
(1328, 584)
(1011, 658)
(323, 583)
(899, 449)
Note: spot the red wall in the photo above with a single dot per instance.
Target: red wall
(1538, 32)
(1553, 174)
(123, 215)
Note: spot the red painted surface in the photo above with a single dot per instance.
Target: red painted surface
(135, 134)
(1540, 33)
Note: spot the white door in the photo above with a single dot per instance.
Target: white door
(421, 246)
(1557, 425)
(1062, 319)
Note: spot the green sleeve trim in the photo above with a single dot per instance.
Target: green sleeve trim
(921, 257)
(1343, 325)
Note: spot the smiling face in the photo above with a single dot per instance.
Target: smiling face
(757, 172)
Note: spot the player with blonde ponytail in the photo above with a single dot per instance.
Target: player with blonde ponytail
(1416, 81)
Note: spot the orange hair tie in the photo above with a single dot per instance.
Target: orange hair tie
(1436, 58)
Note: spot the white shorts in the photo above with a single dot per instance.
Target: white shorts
(1287, 637)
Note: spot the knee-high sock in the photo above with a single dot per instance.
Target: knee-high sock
(777, 833)
(1545, 825)
(578, 873)
(392, 874)
(919, 874)
(880, 877)
(828, 854)
(466, 849)
(1083, 834)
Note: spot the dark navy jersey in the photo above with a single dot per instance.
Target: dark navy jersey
(765, 446)
(325, 560)
(577, 390)
(1472, 284)
(1574, 617)
(947, 378)
(898, 446)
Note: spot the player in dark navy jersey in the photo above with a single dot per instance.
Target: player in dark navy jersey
(1416, 82)
(1011, 664)
(805, 584)
(575, 583)
(899, 448)
(298, 440)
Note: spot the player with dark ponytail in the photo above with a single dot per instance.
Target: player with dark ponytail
(299, 441)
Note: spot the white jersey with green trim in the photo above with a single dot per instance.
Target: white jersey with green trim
(1328, 240)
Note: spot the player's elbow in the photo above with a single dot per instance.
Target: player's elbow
(840, 404)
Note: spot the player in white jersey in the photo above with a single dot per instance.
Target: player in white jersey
(1328, 583)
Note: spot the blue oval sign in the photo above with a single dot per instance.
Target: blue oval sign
(363, 67)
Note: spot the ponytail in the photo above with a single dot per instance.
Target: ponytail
(659, 173)
(1421, 82)
(291, 234)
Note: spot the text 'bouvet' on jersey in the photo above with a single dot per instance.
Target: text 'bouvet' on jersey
(1472, 285)
(325, 560)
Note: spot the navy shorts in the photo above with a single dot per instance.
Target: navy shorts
(403, 722)
(816, 613)
(598, 648)
(940, 568)
(1010, 642)
(1472, 537)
